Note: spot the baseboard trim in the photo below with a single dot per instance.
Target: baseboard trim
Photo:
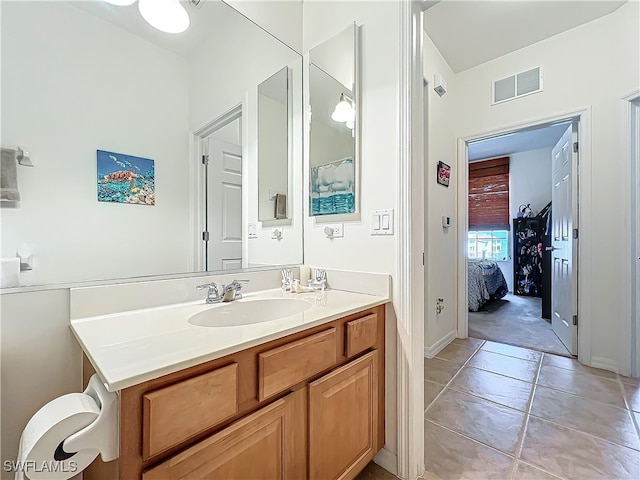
(433, 350)
(604, 363)
(387, 460)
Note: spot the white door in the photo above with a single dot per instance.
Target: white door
(564, 296)
(224, 205)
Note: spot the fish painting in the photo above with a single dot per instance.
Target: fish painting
(125, 178)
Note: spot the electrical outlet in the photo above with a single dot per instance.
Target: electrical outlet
(439, 306)
(334, 230)
(276, 233)
(253, 230)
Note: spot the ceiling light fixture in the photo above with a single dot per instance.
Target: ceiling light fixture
(165, 15)
(121, 3)
(344, 111)
(168, 16)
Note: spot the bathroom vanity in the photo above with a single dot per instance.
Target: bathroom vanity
(297, 397)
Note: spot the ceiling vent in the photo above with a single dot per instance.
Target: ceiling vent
(518, 85)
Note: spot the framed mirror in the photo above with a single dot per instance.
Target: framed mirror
(80, 78)
(333, 145)
(274, 148)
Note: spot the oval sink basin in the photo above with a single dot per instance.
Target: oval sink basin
(247, 312)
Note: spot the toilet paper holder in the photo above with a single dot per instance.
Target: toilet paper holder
(103, 433)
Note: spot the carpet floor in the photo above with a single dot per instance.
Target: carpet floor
(515, 320)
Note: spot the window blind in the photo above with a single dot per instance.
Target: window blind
(489, 194)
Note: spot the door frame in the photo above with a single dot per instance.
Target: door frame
(583, 268)
(197, 177)
(631, 142)
(408, 296)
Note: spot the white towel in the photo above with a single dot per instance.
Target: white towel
(9, 177)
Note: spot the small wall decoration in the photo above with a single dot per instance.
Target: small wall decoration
(125, 179)
(444, 173)
(332, 188)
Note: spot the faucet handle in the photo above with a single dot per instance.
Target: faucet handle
(211, 286)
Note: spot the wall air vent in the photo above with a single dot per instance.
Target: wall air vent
(518, 85)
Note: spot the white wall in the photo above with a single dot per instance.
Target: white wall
(358, 250)
(40, 360)
(65, 95)
(441, 251)
(529, 180)
(576, 65)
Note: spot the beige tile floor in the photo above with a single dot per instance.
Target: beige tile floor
(504, 412)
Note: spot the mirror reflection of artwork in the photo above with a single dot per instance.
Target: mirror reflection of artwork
(333, 157)
(332, 188)
(125, 179)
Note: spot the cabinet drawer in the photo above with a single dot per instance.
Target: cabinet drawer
(294, 362)
(173, 414)
(361, 334)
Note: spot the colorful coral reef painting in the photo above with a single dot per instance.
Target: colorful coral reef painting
(332, 188)
(125, 179)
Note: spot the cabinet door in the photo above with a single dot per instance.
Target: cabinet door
(343, 420)
(269, 444)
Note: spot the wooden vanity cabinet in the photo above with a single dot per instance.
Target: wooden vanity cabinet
(308, 405)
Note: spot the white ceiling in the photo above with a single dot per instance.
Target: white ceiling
(472, 32)
(206, 19)
(522, 141)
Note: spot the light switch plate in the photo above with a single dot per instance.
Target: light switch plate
(382, 222)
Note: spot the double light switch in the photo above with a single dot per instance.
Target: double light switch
(382, 222)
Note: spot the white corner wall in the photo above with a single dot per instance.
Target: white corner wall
(576, 64)
(282, 18)
(379, 81)
(65, 94)
(440, 243)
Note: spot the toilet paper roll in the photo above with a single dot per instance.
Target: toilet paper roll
(41, 455)
(9, 272)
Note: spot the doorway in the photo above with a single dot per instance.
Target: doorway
(519, 261)
(220, 202)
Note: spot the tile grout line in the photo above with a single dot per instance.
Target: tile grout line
(634, 419)
(525, 423)
(424, 419)
(471, 439)
(582, 432)
(452, 378)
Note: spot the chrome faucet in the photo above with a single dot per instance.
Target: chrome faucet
(232, 291)
(212, 293)
(229, 292)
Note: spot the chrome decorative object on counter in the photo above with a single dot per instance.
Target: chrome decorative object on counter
(319, 281)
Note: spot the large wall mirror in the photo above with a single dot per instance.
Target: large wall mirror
(87, 76)
(333, 146)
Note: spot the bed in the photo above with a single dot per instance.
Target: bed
(486, 282)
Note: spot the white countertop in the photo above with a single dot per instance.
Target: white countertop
(133, 347)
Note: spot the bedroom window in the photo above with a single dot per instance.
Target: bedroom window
(488, 245)
(489, 195)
